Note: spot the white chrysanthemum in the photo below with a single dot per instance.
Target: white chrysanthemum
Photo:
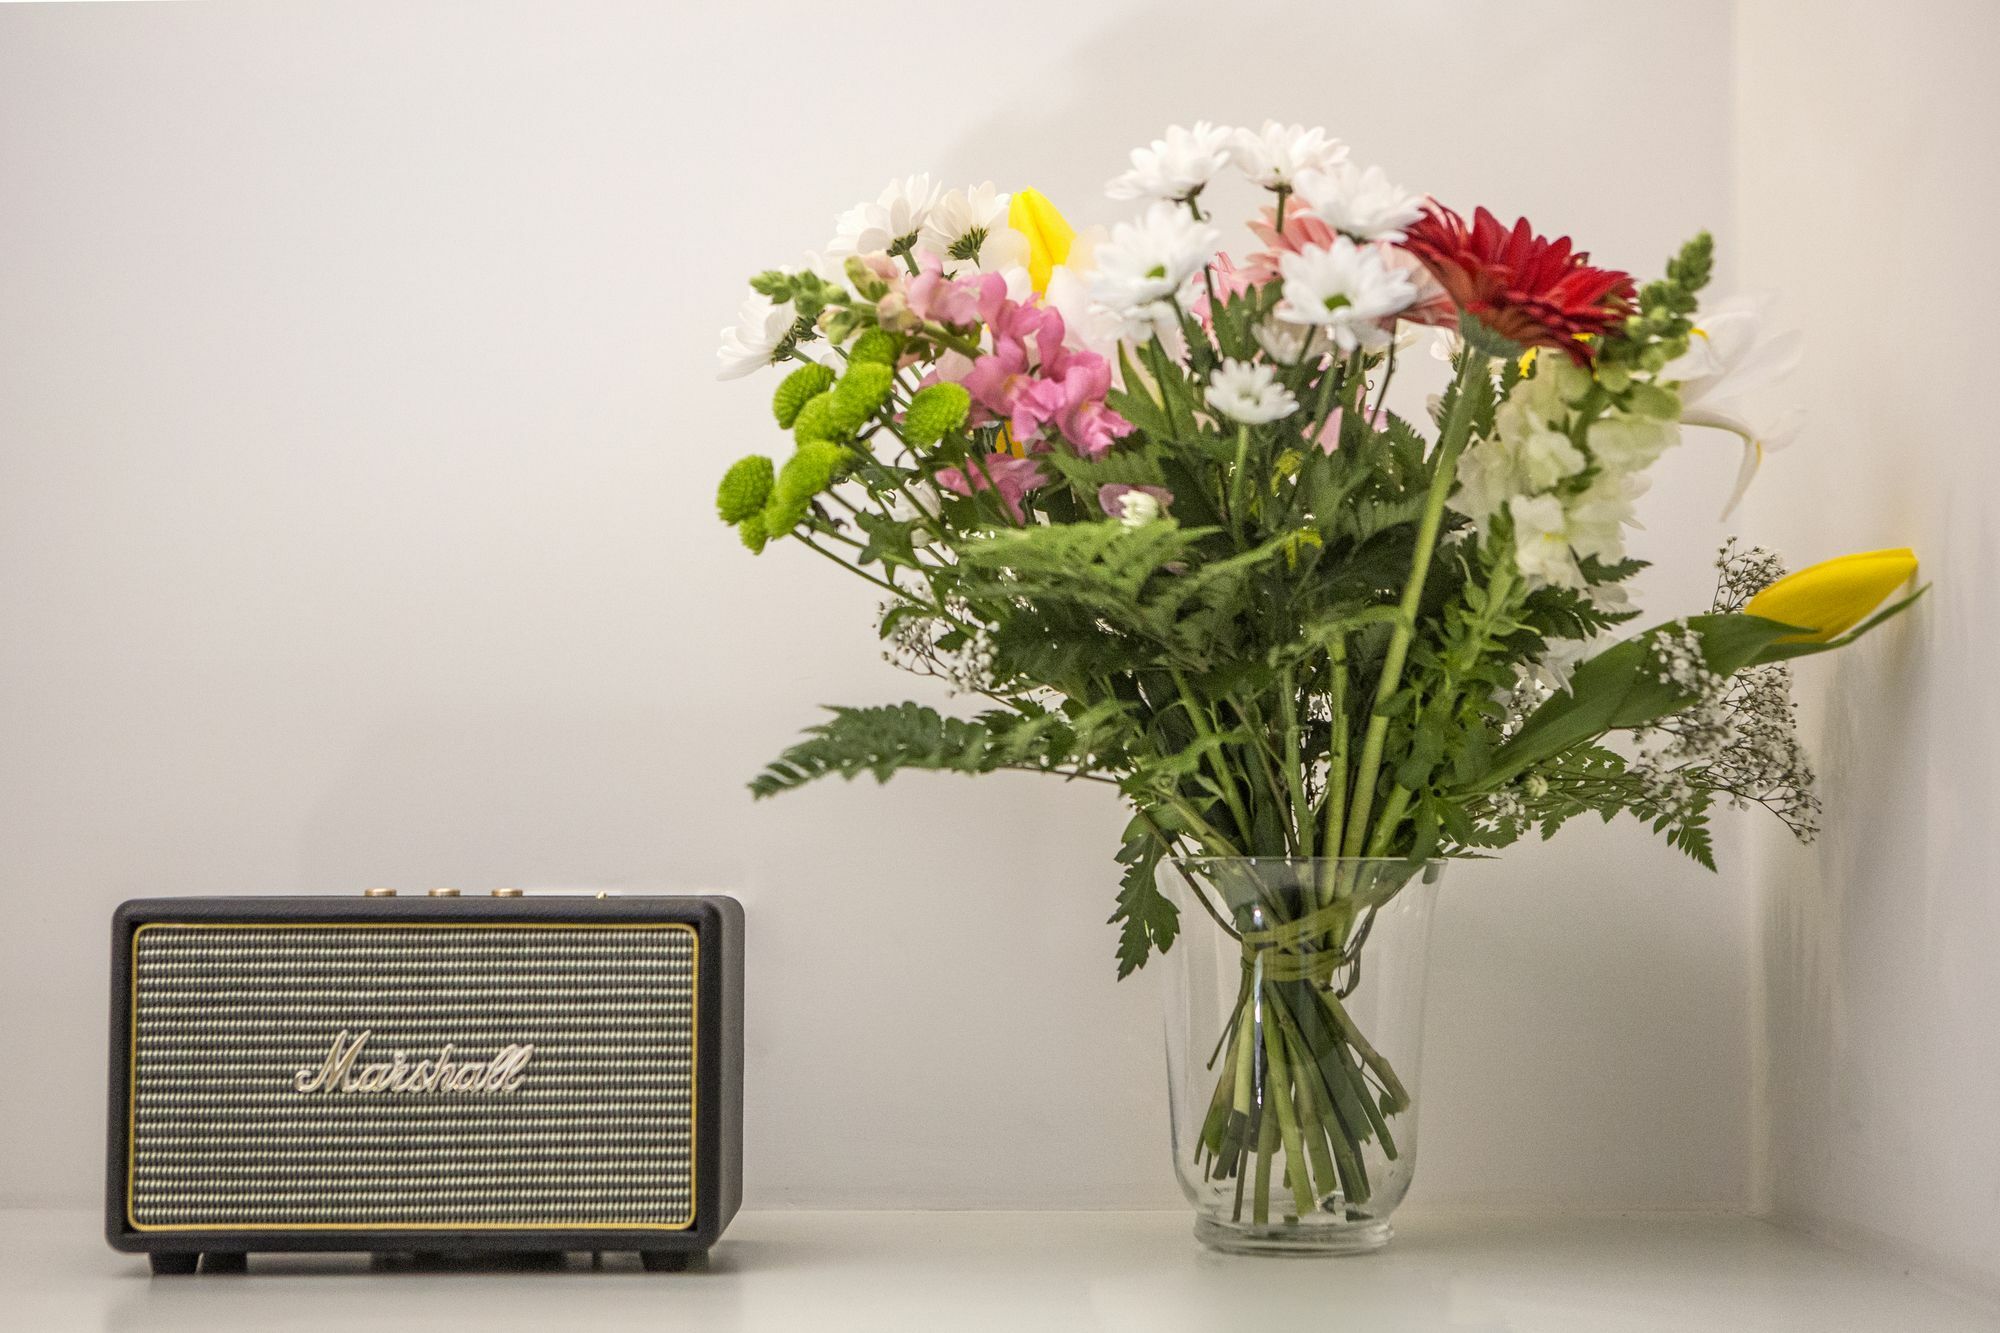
(761, 325)
(1250, 393)
(891, 220)
(1345, 287)
(1363, 204)
(1177, 166)
(1146, 262)
(969, 228)
(1277, 155)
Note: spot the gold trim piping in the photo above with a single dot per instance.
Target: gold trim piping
(694, 1080)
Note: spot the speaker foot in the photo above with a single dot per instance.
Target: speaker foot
(224, 1261)
(174, 1265)
(667, 1261)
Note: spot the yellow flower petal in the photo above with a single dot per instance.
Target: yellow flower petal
(1049, 233)
(1833, 596)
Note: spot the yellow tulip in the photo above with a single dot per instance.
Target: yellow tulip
(1833, 596)
(1049, 233)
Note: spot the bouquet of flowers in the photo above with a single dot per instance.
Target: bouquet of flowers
(1149, 504)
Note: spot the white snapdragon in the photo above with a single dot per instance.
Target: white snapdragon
(1542, 541)
(1346, 288)
(1147, 262)
(1176, 166)
(1277, 155)
(1529, 462)
(892, 220)
(1599, 515)
(1362, 204)
(761, 327)
(1626, 443)
(1246, 392)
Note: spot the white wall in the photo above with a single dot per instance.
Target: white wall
(357, 442)
(1868, 191)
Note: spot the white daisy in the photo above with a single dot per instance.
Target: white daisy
(1249, 393)
(970, 227)
(1146, 262)
(1177, 166)
(1362, 204)
(890, 221)
(1345, 287)
(761, 325)
(1277, 155)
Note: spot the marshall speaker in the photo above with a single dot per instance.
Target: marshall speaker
(435, 1073)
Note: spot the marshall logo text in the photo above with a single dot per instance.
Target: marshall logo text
(342, 1072)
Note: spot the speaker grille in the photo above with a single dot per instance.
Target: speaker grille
(597, 1132)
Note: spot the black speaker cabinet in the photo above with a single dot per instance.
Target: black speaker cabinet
(429, 1074)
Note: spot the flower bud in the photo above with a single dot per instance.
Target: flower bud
(1832, 597)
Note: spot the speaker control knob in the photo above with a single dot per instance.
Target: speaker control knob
(378, 893)
(444, 893)
(506, 893)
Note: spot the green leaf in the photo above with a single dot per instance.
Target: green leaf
(1146, 920)
(1620, 688)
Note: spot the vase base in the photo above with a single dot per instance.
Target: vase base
(1291, 1238)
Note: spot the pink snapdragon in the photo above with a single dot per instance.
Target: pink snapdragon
(1075, 403)
(1032, 380)
(954, 302)
(1005, 475)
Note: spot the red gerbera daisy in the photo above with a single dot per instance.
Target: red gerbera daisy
(1530, 290)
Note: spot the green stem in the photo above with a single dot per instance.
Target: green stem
(1211, 749)
(1236, 505)
(1278, 1095)
(943, 336)
(1451, 443)
(1392, 817)
(1288, 719)
(1335, 796)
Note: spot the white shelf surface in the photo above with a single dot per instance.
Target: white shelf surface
(832, 1271)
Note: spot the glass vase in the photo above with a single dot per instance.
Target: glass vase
(1295, 1013)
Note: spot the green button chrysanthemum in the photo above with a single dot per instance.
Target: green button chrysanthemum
(860, 395)
(809, 471)
(745, 488)
(799, 388)
(878, 346)
(752, 531)
(815, 421)
(935, 411)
